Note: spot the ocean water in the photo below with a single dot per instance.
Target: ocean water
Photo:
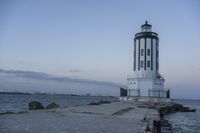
(186, 122)
(17, 103)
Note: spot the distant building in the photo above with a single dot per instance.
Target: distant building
(146, 80)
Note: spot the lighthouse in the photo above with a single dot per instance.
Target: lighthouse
(146, 81)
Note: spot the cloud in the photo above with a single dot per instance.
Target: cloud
(38, 81)
(44, 76)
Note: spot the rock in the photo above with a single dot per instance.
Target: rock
(52, 105)
(187, 109)
(34, 105)
(99, 102)
(104, 102)
(148, 129)
(192, 110)
(94, 103)
(174, 108)
(165, 126)
(156, 126)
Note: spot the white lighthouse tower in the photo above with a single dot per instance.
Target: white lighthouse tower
(146, 80)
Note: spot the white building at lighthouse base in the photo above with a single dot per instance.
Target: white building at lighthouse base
(146, 87)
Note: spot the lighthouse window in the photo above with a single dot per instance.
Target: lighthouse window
(148, 51)
(142, 64)
(142, 52)
(148, 63)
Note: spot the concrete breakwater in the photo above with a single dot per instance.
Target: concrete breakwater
(153, 124)
(114, 117)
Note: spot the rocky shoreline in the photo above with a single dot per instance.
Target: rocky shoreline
(163, 125)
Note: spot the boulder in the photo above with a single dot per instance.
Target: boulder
(104, 102)
(187, 109)
(34, 105)
(94, 103)
(174, 108)
(99, 102)
(52, 105)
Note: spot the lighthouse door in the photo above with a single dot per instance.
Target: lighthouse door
(144, 87)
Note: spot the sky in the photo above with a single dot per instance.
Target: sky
(93, 40)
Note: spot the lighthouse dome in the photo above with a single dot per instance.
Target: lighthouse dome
(146, 27)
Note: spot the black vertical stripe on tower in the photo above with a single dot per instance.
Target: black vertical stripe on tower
(134, 54)
(139, 55)
(145, 53)
(151, 54)
(156, 54)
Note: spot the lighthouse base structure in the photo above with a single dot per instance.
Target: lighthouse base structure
(147, 87)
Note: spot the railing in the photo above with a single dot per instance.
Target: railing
(136, 92)
(144, 76)
(146, 34)
(159, 93)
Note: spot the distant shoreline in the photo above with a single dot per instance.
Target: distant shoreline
(26, 93)
(37, 93)
(17, 93)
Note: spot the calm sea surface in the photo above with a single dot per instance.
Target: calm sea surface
(181, 122)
